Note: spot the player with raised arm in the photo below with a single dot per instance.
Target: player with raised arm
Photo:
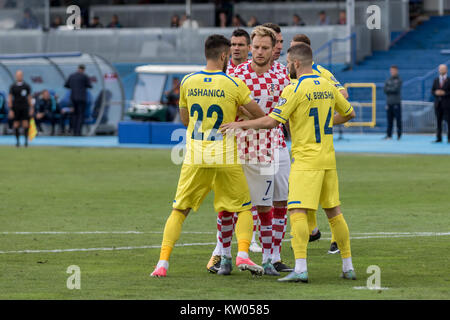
(266, 148)
(208, 98)
(321, 71)
(309, 105)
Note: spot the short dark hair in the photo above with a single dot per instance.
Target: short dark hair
(82, 67)
(214, 46)
(272, 26)
(241, 33)
(302, 38)
(394, 66)
(302, 51)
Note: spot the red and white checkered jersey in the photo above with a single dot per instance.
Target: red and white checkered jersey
(231, 66)
(266, 91)
(280, 68)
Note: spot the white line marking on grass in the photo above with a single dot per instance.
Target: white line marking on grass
(373, 236)
(366, 288)
(362, 234)
(106, 249)
(96, 232)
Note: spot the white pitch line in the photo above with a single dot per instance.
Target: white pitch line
(209, 232)
(106, 249)
(366, 288)
(378, 236)
(95, 232)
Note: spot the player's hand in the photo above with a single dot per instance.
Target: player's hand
(229, 126)
(11, 114)
(243, 113)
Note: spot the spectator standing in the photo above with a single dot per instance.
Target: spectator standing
(297, 21)
(20, 106)
(392, 89)
(175, 21)
(253, 22)
(441, 93)
(29, 21)
(223, 19)
(96, 23)
(323, 19)
(237, 21)
(56, 23)
(342, 18)
(115, 22)
(78, 83)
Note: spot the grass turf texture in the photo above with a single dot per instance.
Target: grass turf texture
(71, 189)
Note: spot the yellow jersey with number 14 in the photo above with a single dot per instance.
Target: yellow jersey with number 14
(309, 105)
(211, 98)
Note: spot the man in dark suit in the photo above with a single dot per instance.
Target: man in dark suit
(78, 82)
(441, 93)
(393, 91)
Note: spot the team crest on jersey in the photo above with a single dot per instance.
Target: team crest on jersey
(281, 101)
(274, 87)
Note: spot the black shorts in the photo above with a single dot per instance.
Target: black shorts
(21, 114)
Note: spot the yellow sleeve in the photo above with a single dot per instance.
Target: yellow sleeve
(182, 103)
(244, 94)
(287, 104)
(342, 106)
(330, 77)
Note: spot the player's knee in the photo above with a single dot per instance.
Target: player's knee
(280, 204)
(263, 208)
(185, 211)
(297, 210)
(332, 212)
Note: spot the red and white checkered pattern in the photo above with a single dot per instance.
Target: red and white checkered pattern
(231, 66)
(257, 145)
(280, 68)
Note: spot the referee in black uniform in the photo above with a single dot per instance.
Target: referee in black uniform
(20, 106)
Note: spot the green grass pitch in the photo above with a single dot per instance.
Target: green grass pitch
(388, 200)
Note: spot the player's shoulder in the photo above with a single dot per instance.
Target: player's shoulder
(189, 77)
(290, 88)
(324, 72)
(242, 69)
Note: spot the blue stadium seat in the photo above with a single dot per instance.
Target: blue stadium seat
(418, 52)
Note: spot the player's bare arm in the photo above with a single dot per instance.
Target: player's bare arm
(265, 122)
(338, 119)
(184, 115)
(344, 92)
(252, 110)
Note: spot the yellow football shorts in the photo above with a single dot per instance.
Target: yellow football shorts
(308, 188)
(230, 188)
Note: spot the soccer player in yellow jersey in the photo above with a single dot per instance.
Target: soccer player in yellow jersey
(208, 98)
(309, 105)
(321, 71)
(317, 68)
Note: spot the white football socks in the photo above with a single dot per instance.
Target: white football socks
(347, 264)
(300, 266)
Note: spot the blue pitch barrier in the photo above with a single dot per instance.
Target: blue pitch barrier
(352, 143)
